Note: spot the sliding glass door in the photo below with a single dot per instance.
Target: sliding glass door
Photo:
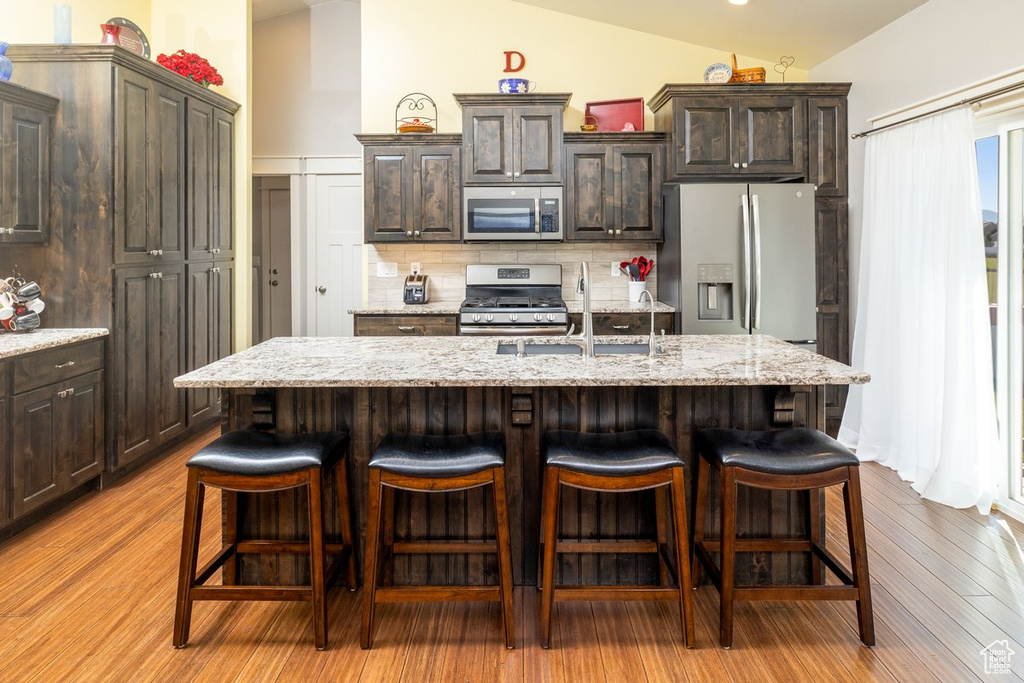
(1001, 176)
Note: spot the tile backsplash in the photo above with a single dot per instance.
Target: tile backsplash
(446, 266)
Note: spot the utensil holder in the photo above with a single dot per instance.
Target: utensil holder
(636, 288)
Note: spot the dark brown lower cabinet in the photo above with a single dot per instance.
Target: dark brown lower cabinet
(4, 457)
(149, 341)
(210, 297)
(627, 323)
(405, 325)
(57, 440)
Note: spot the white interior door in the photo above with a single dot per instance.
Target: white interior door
(339, 253)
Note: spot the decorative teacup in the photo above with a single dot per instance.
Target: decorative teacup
(516, 86)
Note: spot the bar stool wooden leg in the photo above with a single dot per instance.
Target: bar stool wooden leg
(341, 496)
(661, 524)
(194, 495)
(814, 534)
(316, 559)
(859, 555)
(373, 524)
(387, 551)
(728, 556)
(229, 576)
(549, 533)
(504, 557)
(700, 515)
(682, 556)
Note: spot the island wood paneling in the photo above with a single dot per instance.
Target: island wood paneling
(523, 415)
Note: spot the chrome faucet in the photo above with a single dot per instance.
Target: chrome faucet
(652, 341)
(583, 285)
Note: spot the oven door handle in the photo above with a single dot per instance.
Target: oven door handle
(536, 215)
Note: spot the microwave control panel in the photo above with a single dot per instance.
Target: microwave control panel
(549, 215)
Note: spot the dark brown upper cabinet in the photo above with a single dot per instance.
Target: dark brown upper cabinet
(613, 186)
(412, 188)
(827, 146)
(210, 140)
(26, 122)
(512, 138)
(758, 129)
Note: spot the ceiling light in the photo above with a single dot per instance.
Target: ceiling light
(737, 2)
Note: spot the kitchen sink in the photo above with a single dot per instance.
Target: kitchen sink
(575, 349)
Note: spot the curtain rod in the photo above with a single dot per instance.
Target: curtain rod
(971, 100)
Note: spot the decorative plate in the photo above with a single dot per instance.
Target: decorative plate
(718, 73)
(131, 37)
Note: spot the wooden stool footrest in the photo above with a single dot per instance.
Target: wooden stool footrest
(753, 545)
(256, 546)
(641, 593)
(273, 593)
(609, 546)
(437, 593)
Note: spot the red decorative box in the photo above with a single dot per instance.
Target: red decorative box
(612, 115)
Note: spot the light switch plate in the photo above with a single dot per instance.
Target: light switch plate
(387, 269)
(414, 268)
(615, 269)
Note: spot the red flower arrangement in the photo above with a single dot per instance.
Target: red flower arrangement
(191, 65)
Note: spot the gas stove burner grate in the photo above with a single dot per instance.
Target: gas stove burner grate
(547, 302)
(480, 302)
(513, 302)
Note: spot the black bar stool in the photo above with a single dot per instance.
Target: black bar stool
(625, 461)
(251, 461)
(414, 462)
(790, 459)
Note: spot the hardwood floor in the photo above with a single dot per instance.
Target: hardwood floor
(88, 595)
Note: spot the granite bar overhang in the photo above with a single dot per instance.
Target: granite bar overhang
(452, 385)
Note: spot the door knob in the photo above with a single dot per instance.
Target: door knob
(273, 271)
(273, 283)
(321, 289)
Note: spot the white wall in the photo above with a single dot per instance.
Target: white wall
(940, 46)
(305, 73)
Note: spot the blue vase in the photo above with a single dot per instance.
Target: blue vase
(5, 64)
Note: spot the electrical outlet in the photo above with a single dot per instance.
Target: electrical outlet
(414, 268)
(615, 269)
(387, 269)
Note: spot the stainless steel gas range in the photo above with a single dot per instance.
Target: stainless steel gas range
(514, 299)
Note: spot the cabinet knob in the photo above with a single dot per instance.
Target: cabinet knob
(416, 232)
(736, 164)
(215, 269)
(508, 174)
(6, 231)
(321, 289)
(611, 232)
(155, 252)
(618, 232)
(744, 164)
(517, 174)
(66, 392)
(408, 233)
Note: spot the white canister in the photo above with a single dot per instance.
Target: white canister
(635, 290)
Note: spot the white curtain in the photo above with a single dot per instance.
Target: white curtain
(922, 322)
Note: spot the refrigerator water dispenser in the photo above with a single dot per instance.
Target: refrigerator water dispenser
(714, 291)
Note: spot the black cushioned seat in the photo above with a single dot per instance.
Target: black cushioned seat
(423, 455)
(259, 454)
(618, 454)
(789, 451)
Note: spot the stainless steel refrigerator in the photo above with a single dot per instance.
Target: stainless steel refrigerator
(739, 259)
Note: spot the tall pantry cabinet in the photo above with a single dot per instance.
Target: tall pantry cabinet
(142, 222)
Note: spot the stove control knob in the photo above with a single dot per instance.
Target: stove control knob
(488, 317)
(538, 317)
(551, 318)
(476, 317)
(513, 317)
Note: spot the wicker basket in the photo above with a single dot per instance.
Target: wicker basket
(754, 75)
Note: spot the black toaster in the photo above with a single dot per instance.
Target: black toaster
(417, 290)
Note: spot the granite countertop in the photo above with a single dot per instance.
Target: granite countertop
(19, 343)
(452, 308)
(721, 360)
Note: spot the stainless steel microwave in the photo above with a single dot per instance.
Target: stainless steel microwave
(510, 212)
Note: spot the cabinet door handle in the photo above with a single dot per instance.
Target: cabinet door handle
(155, 252)
(66, 392)
(217, 270)
(406, 328)
(69, 364)
(620, 327)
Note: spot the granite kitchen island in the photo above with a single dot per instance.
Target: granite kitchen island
(451, 385)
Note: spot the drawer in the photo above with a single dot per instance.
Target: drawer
(3, 378)
(405, 325)
(627, 323)
(56, 365)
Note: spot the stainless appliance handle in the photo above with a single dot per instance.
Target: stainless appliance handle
(746, 262)
(755, 322)
(511, 330)
(536, 213)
